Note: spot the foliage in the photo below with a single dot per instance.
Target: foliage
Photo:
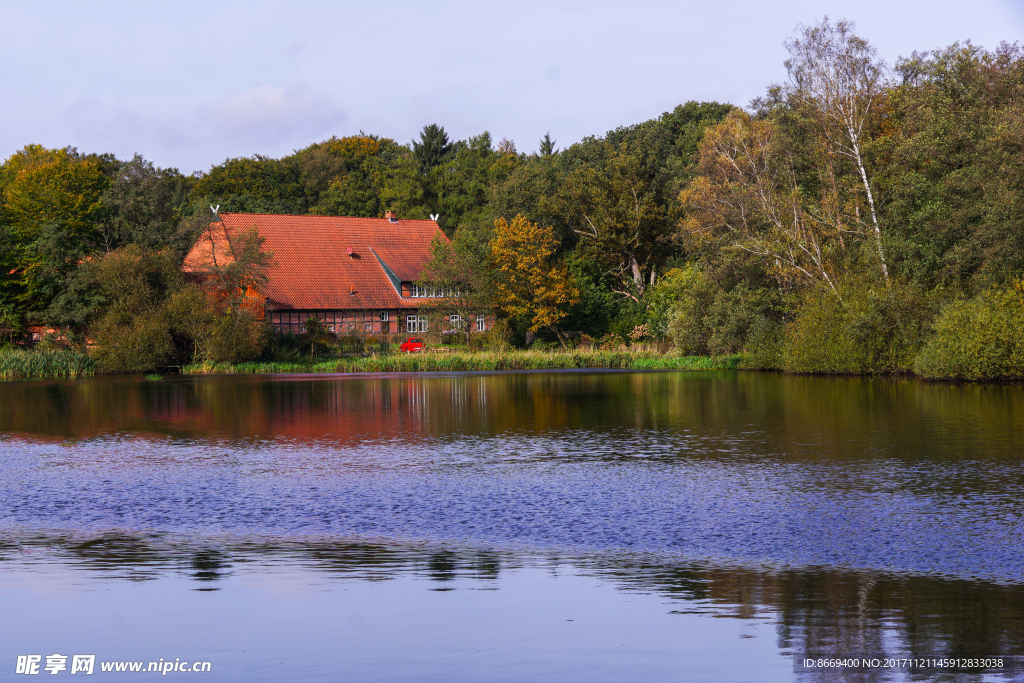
(609, 342)
(707, 318)
(460, 268)
(981, 338)
(527, 281)
(235, 336)
(134, 331)
(50, 208)
(640, 333)
(143, 206)
(952, 167)
(870, 330)
(614, 211)
(433, 149)
(256, 184)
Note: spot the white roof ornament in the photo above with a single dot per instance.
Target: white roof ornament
(435, 216)
(214, 209)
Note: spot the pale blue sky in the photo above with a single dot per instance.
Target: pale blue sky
(189, 84)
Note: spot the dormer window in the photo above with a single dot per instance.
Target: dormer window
(420, 292)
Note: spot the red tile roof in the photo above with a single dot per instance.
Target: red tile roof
(312, 268)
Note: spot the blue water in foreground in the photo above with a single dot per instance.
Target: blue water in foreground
(522, 526)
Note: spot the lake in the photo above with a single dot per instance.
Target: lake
(599, 526)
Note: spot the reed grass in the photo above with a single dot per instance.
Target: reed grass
(486, 361)
(22, 363)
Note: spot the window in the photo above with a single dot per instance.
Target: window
(369, 327)
(481, 323)
(420, 292)
(454, 322)
(415, 323)
(384, 316)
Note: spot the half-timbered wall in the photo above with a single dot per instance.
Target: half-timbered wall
(340, 322)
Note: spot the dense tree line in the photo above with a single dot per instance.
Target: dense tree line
(846, 221)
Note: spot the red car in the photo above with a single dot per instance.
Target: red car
(411, 345)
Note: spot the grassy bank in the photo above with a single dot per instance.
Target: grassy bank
(21, 364)
(482, 361)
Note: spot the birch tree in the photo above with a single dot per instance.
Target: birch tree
(840, 76)
(747, 196)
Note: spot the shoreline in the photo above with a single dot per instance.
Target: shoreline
(476, 362)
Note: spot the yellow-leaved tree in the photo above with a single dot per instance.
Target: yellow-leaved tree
(528, 281)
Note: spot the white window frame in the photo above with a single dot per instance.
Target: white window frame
(481, 322)
(416, 323)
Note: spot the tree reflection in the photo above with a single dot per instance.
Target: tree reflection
(816, 611)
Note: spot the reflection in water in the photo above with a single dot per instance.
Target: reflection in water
(870, 474)
(853, 515)
(778, 415)
(814, 611)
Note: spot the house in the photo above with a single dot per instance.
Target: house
(356, 275)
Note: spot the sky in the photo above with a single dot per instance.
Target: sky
(190, 84)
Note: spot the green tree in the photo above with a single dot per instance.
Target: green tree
(615, 214)
(258, 184)
(458, 268)
(51, 207)
(433, 148)
(142, 206)
(547, 146)
(951, 166)
(133, 333)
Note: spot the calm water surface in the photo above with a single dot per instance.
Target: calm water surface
(538, 526)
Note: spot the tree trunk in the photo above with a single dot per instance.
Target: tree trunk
(638, 277)
(871, 205)
(561, 337)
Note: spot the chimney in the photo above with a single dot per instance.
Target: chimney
(390, 215)
(349, 252)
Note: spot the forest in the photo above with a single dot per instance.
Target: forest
(860, 217)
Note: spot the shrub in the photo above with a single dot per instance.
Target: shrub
(352, 343)
(979, 339)
(283, 348)
(872, 329)
(764, 347)
(236, 337)
(609, 342)
(127, 344)
(639, 333)
(708, 320)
